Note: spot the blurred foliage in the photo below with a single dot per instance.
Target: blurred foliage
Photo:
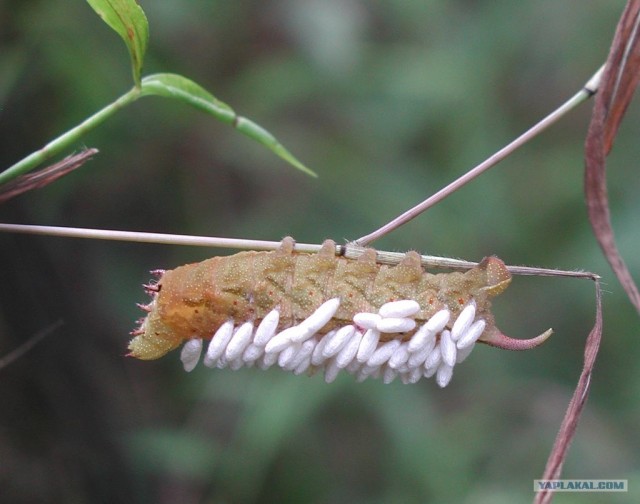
(387, 101)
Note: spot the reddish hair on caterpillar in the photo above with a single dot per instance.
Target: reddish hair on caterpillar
(306, 312)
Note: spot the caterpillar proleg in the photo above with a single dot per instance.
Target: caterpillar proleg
(306, 312)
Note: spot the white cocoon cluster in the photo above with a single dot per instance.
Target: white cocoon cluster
(374, 346)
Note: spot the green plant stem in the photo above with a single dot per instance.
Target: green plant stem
(66, 140)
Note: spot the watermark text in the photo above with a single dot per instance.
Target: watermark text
(581, 485)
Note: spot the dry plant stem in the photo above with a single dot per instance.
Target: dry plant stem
(13, 356)
(350, 250)
(584, 94)
(142, 237)
(45, 176)
(569, 425)
(619, 82)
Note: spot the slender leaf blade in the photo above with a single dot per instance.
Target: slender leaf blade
(128, 20)
(259, 134)
(183, 89)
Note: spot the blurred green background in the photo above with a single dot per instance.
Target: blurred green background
(387, 101)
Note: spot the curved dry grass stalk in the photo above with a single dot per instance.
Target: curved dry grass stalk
(569, 424)
(619, 81)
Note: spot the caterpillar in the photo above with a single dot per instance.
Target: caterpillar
(306, 312)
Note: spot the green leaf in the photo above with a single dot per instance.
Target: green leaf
(181, 88)
(259, 134)
(127, 18)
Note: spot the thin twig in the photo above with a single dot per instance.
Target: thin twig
(553, 469)
(354, 251)
(350, 250)
(584, 94)
(29, 344)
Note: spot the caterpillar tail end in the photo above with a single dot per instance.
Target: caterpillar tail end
(500, 340)
(151, 340)
(138, 347)
(144, 347)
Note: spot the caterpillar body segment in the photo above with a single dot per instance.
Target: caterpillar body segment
(318, 311)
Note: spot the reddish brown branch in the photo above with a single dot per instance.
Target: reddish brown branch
(571, 417)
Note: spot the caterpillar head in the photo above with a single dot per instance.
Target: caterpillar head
(174, 315)
(152, 339)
